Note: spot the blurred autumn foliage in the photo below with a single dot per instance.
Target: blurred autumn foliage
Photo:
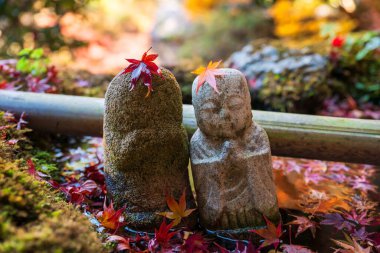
(309, 20)
(314, 59)
(32, 24)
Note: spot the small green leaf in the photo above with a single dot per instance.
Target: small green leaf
(359, 86)
(25, 52)
(374, 87)
(362, 54)
(37, 68)
(37, 53)
(23, 65)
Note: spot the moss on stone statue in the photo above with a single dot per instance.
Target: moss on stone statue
(146, 148)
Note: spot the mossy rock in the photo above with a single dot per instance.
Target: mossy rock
(34, 217)
(283, 79)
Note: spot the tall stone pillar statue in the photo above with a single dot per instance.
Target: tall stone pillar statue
(146, 148)
(231, 158)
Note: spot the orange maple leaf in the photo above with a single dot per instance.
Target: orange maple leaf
(332, 204)
(207, 74)
(110, 218)
(178, 209)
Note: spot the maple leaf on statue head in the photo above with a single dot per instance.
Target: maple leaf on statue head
(143, 70)
(207, 74)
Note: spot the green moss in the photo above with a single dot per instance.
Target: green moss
(32, 216)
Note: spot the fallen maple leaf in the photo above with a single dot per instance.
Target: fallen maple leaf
(304, 224)
(361, 234)
(336, 220)
(207, 74)
(143, 70)
(360, 218)
(32, 170)
(295, 249)
(122, 243)
(195, 243)
(161, 238)
(333, 204)
(77, 192)
(242, 248)
(178, 209)
(351, 246)
(110, 218)
(271, 234)
(21, 122)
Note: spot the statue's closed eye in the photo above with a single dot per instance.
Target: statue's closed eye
(235, 103)
(210, 107)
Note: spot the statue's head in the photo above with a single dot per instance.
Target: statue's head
(228, 113)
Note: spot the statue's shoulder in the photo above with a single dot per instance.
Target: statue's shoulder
(258, 140)
(201, 150)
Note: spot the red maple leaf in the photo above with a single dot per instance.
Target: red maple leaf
(242, 248)
(110, 218)
(271, 234)
(304, 224)
(207, 74)
(95, 172)
(77, 192)
(162, 237)
(32, 170)
(338, 41)
(143, 70)
(122, 242)
(195, 243)
(360, 218)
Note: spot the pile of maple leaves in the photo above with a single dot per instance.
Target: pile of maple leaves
(315, 197)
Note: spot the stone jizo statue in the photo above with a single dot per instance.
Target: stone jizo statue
(231, 158)
(146, 148)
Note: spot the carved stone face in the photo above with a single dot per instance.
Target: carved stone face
(227, 114)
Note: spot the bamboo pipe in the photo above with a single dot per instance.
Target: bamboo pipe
(293, 135)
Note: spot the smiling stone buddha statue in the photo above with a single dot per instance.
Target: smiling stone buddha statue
(231, 158)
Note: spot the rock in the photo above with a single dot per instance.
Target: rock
(231, 158)
(283, 79)
(146, 148)
(255, 63)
